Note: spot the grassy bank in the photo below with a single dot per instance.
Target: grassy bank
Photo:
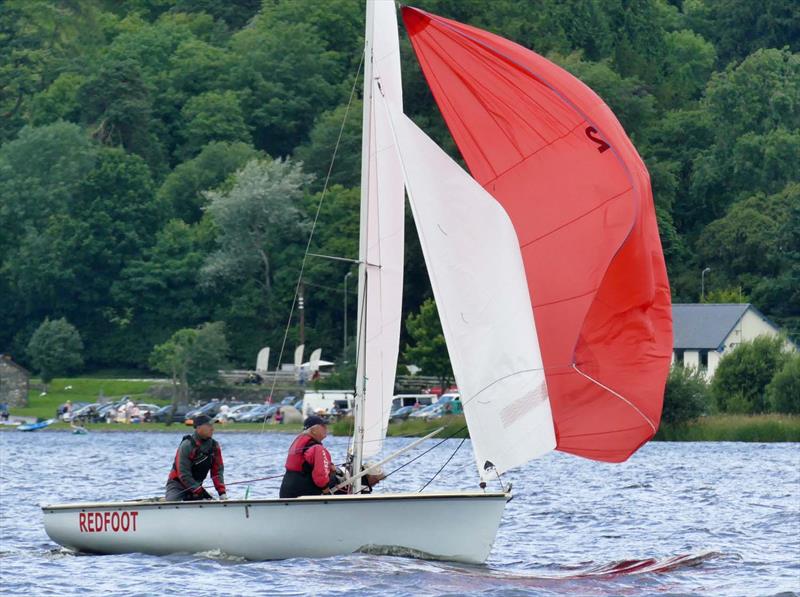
(735, 428)
(742, 428)
(80, 389)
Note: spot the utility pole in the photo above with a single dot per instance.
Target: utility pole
(302, 309)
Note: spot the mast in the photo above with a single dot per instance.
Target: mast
(361, 334)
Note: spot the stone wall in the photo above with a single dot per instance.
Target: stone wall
(13, 383)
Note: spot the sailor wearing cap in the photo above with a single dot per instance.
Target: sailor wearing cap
(197, 456)
(309, 469)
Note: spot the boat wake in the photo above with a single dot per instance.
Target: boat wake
(646, 566)
(608, 571)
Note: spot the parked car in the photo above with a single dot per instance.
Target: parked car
(146, 412)
(288, 400)
(440, 407)
(237, 412)
(210, 409)
(401, 414)
(87, 413)
(165, 414)
(263, 412)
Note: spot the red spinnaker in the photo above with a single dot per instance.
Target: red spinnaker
(558, 161)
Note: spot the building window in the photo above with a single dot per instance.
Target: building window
(679, 356)
(703, 360)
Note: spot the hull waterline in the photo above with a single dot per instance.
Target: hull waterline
(446, 526)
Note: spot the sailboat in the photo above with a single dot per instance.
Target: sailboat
(550, 282)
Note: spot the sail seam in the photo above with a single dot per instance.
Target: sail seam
(576, 218)
(473, 82)
(620, 396)
(466, 129)
(525, 158)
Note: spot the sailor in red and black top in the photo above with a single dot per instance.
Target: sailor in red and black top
(309, 469)
(197, 456)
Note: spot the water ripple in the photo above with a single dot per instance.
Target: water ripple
(676, 519)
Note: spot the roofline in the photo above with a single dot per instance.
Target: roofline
(748, 307)
(7, 358)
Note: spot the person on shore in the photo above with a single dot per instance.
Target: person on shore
(309, 469)
(197, 456)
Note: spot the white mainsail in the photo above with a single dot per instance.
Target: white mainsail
(475, 266)
(381, 240)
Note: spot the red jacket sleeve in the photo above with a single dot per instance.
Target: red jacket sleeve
(320, 459)
(217, 470)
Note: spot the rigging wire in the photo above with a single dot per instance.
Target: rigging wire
(446, 462)
(418, 456)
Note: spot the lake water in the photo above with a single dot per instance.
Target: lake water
(676, 519)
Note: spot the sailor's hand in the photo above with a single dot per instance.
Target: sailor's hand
(223, 496)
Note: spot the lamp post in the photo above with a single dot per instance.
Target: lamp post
(344, 339)
(703, 283)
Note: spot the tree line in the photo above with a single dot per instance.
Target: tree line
(162, 162)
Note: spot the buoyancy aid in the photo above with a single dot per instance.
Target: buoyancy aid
(298, 480)
(296, 460)
(201, 458)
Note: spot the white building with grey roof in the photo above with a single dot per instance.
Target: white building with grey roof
(705, 332)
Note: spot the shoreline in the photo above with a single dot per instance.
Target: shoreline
(737, 428)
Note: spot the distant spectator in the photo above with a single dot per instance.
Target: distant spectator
(223, 413)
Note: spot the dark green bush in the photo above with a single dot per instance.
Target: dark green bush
(783, 392)
(686, 396)
(742, 376)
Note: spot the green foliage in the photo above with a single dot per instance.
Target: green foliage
(118, 107)
(741, 28)
(429, 350)
(55, 349)
(159, 293)
(726, 295)
(686, 67)
(182, 193)
(39, 173)
(783, 392)
(741, 246)
(735, 428)
(280, 105)
(686, 396)
(212, 116)
(317, 153)
(743, 374)
(192, 356)
(165, 100)
(259, 212)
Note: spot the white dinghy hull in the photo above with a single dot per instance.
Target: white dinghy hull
(457, 527)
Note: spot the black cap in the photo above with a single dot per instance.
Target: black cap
(313, 420)
(201, 420)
